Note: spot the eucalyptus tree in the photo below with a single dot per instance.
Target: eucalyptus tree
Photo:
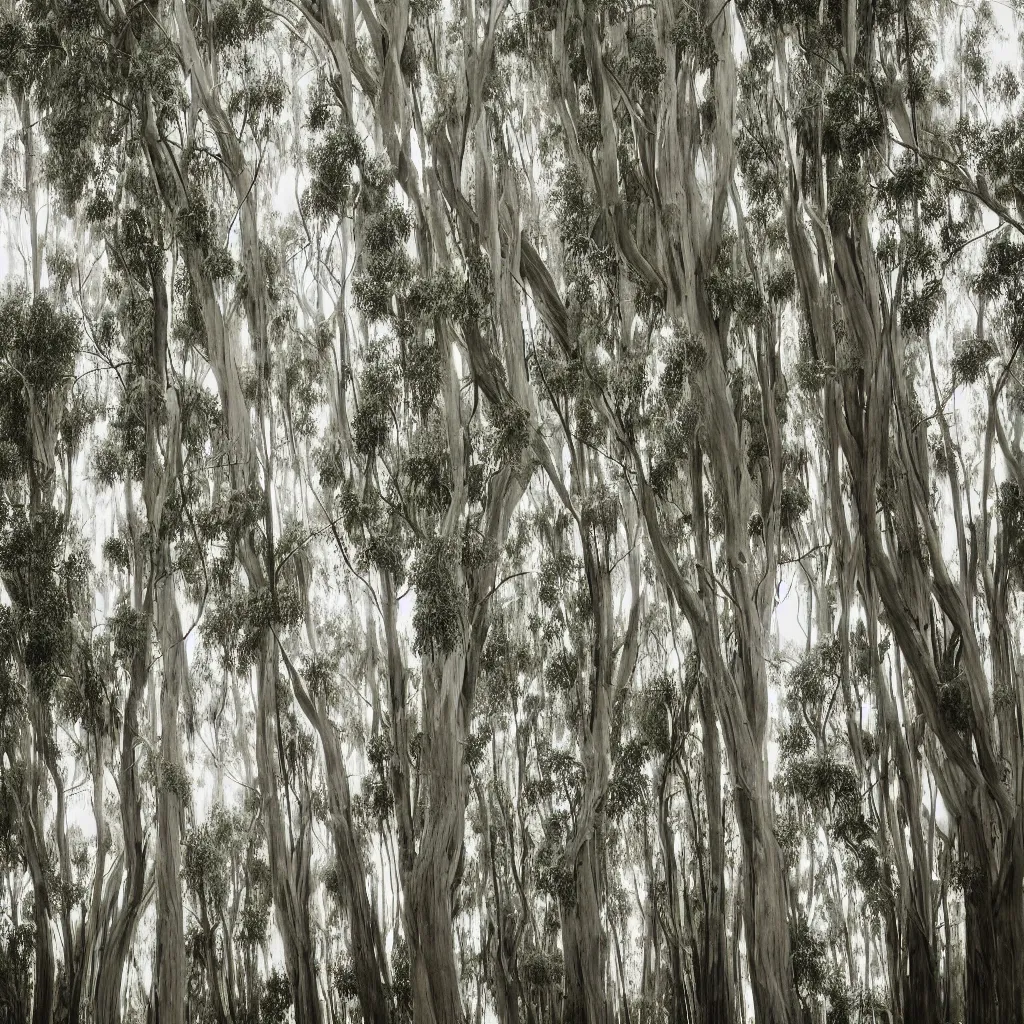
(642, 105)
(563, 462)
(141, 448)
(41, 343)
(931, 539)
(41, 574)
(252, 477)
(592, 672)
(428, 487)
(442, 485)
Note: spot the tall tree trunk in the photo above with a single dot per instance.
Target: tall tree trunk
(287, 865)
(287, 876)
(44, 971)
(41, 489)
(714, 990)
(584, 935)
(114, 953)
(585, 944)
(678, 1005)
(994, 930)
(432, 876)
(160, 481)
(765, 912)
(170, 936)
(23, 103)
(366, 946)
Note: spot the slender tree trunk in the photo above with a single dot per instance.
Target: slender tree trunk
(170, 937)
(114, 954)
(44, 984)
(500, 945)
(23, 103)
(41, 480)
(160, 480)
(674, 930)
(714, 991)
(290, 898)
(365, 942)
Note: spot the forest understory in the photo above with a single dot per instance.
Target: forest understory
(511, 512)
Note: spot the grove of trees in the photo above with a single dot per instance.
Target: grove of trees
(511, 512)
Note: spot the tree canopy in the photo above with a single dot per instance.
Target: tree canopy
(511, 512)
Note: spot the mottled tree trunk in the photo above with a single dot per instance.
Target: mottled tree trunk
(431, 882)
(585, 945)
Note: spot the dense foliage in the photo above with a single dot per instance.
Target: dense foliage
(511, 512)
